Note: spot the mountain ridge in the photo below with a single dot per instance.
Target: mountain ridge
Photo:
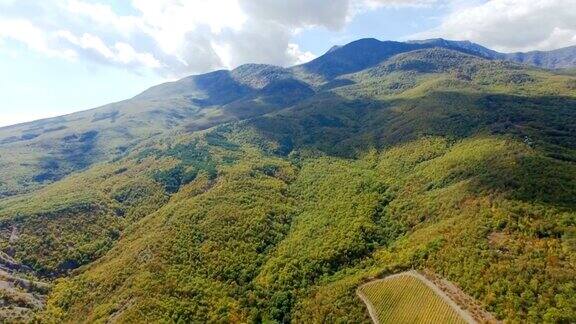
(473, 48)
(193, 103)
(561, 58)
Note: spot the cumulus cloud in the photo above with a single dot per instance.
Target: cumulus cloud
(121, 53)
(176, 37)
(180, 37)
(300, 56)
(512, 25)
(34, 38)
(300, 13)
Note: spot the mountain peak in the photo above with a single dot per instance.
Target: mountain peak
(355, 56)
(333, 48)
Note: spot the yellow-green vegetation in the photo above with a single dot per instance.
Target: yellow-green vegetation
(462, 166)
(280, 240)
(406, 299)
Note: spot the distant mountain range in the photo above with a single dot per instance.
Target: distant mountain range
(562, 58)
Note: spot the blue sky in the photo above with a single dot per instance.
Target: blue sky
(33, 86)
(384, 23)
(61, 56)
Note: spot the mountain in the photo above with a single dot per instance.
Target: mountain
(56, 147)
(268, 194)
(354, 57)
(472, 48)
(562, 58)
(53, 148)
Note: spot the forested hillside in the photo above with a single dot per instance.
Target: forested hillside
(271, 194)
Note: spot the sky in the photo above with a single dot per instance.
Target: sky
(62, 56)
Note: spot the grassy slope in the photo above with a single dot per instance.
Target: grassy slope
(465, 168)
(38, 153)
(41, 152)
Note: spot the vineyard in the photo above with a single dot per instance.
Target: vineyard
(405, 298)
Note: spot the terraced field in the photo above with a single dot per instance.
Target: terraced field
(406, 298)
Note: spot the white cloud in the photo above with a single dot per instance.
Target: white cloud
(23, 31)
(512, 25)
(127, 55)
(121, 53)
(102, 15)
(300, 13)
(87, 41)
(180, 37)
(176, 37)
(170, 22)
(301, 56)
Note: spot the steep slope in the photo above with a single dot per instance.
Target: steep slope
(354, 57)
(21, 295)
(431, 158)
(37, 153)
(417, 93)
